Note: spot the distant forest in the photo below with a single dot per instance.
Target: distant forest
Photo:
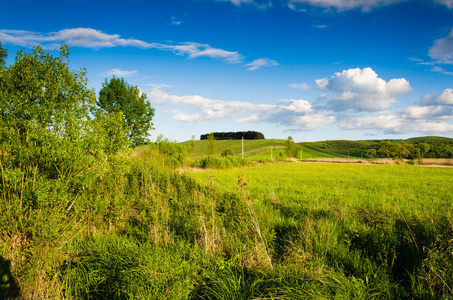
(248, 135)
(424, 147)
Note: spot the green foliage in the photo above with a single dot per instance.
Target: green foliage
(228, 152)
(175, 153)
(117, 96)
(192, 144)
(3, 56)
(211, 145)
(290, 147)
(247, 135)
(224, 162)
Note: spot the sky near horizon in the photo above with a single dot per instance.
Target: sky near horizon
(310, 69)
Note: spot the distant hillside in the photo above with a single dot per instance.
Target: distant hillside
(432, 140)
(439, 147)
(428, 147)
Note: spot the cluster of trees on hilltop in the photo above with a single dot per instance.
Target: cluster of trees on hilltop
(414, 148)
(248, 135)
(429, 147)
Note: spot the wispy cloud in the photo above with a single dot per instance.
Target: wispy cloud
(441, 70)
(120, 73)
(175, 21)
(259, 4)
(302, 86)
(340, 5)
(260, 63)
(442, 49)
(448, 3)
(96, 39)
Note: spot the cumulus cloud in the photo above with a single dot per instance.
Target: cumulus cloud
(295, 113)
(392, 123)
(120, 73)
(445, 98)
(261, 62)
(96, 39)
(362, 90)
(442, 49)
(341, 5)
(427, 112)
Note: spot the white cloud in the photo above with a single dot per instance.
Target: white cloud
(427, 112)
(440, 70)
(261, 62)
(175, 21)
(76, 37)
(96, 39)
(448, 3)
(442, 49)
(302, 86)
(341, 5)
(194, 50)
(260, 4)
(446, 98)
(390, 122)
(362, 90)
(120, 73)
(289, 112)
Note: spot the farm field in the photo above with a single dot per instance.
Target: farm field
(362, 231)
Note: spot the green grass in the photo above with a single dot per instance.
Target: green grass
(261, 149)
(142, 229)
(373, 231)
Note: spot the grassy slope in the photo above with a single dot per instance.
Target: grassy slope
(261, 149)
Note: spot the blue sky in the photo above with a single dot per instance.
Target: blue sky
(310, 69)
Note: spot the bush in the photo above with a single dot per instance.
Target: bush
(227, 152)
(225, 162)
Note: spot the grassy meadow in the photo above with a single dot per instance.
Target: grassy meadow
(146, 226)
(356, 231)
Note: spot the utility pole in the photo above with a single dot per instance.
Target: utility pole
(300, 154)
(242, 146)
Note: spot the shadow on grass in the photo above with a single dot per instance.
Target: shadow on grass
(8, 286)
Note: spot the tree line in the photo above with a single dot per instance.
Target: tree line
(247, 135)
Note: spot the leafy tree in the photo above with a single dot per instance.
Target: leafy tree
(118, 96)
(228, 152)
(3, 56)
(192, 144)
(290, 147)
(210, 145)
(371, 152)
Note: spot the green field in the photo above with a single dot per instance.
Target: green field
(143, 229)
(261, 149)
(351, 231)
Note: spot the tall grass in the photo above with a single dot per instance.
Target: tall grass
(379, 231)
(142, 230)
